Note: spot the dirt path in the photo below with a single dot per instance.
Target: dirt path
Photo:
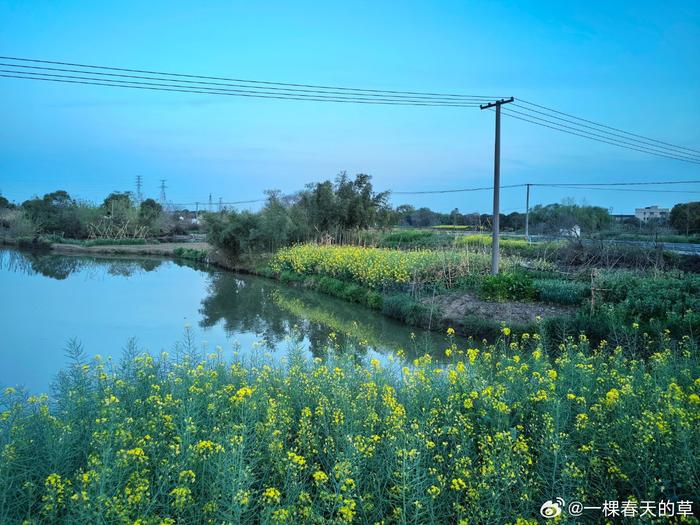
(166, 248)
(455, 307)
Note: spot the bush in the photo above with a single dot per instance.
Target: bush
(33, 243)
(407, 309)
(508, 286)
(191, 254)
(561, 291)
(374, 300)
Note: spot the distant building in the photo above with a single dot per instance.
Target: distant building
(622, 217)
(651, 213)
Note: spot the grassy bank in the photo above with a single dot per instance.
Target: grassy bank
(487, 439)
(400, 283)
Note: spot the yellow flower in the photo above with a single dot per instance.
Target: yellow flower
(450, 331)
(434, 491)
(612, 396)
(320, 476)
(271, 495)
(458, 484)
(505, 330)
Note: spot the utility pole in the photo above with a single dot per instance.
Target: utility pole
(139, 183)
(496, 181)
(527, 213)
(220, 205)
(210, 203)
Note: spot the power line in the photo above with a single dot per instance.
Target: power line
(248, 81)
(600, 140)
(454, 191)
(217, 85)
(275, 89)
(605, 126)
(612, 189)
(618, 142)
(672, 149)
(211, 91)
(646, 183)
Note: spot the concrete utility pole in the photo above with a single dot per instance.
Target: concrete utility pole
(496, 181)
(527, 213)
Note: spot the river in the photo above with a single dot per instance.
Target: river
(104, 304)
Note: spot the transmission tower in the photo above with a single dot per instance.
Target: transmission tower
(210, 203)
(139, 184)
(163, 198)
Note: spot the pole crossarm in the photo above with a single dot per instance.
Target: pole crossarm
(497, 103)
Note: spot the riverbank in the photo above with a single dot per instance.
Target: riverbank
(440, 289)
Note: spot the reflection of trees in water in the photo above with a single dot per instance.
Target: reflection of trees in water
(271, 310)
(57, 266)
(245, 304)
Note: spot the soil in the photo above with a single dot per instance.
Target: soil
(455, 307)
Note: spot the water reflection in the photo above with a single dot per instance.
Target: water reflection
(244, 303)
(104, 301)
(60, 267)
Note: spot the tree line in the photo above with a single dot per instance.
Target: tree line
(336, 210)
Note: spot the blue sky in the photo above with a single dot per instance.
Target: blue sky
(632, 65)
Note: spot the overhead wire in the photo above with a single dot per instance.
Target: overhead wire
(618, 142)
(581, 134)
(257, 82)
(154, 80)
(210, 91)
(605, 126)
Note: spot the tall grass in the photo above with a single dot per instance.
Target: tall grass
(200, 439)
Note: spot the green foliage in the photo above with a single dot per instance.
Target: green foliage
(561, 291)
(339, 210)
(5, 204)
(686, 217)
(374, 300)
(191, 254)
(197, 439)
(407, 236)
(231, 231)
(149, 214)
(33, 243)
(508, 286)
(405, 308)
(58, 213)
(553, 218)
(671, 301)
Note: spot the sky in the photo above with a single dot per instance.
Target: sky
(632, 65)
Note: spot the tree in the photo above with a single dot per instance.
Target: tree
(149, 213)
(685, 217)
(119, 207)
(5, 204)
(57, 213)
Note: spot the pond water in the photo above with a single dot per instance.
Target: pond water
(102, 303)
